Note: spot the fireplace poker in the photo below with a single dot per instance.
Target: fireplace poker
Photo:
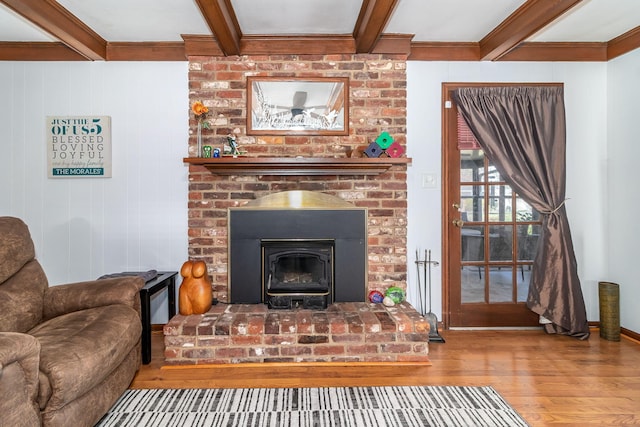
(421, 302)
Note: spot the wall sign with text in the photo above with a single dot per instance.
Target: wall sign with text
(79, 146)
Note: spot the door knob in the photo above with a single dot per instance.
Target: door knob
(458, 222)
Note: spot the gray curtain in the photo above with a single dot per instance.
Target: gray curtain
(522, 130)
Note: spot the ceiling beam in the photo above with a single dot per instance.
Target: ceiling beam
(373, 17)
(51, 17)
(520, 25)
(223, 24)
(624, 43)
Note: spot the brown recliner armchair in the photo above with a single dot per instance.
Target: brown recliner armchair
(66, 352)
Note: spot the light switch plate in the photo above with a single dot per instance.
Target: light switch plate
(429, 180)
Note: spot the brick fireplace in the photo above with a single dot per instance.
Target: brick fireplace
(349, 329)
(377, 98)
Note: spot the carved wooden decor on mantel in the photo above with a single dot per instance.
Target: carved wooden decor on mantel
(297, 165)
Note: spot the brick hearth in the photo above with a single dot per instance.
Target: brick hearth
(345, 332)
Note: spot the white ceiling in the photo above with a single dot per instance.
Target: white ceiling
(428, 20)
(593, 21)
(451, 20)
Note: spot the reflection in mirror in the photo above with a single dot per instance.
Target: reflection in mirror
(298, 106)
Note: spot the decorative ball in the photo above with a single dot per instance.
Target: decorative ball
(388, 302)
(376, 297)
(396, 294)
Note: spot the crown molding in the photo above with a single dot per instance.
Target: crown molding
(297, 45)
(444, 51)
(146, 51)
(558, 51)
(38, 51)
(198, 45)
(393, 44)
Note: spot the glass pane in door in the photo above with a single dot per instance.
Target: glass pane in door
(471, 165)
(500, 284)
(498, 236)
(500, 243)
(472, 203)
(499, 203)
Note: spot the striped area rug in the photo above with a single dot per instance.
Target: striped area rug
(317, 407)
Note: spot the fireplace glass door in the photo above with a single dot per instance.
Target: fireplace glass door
(297, 272)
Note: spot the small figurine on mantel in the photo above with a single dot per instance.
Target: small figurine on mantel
(231, 147)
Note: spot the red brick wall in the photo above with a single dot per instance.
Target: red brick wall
(377, 103)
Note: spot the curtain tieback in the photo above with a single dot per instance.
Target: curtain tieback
(556, 209)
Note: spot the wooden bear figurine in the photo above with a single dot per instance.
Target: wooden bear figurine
(196, 295)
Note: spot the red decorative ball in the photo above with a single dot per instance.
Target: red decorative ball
(376, 297)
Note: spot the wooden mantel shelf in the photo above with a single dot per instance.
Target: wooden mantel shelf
(297, 165)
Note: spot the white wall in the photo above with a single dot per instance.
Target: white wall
(623, 197)
(86, 227)
(585, 104)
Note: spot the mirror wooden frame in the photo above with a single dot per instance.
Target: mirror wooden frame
(297, 106)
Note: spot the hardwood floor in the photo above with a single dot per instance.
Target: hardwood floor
(548, 379)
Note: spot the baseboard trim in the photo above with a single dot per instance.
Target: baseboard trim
(630, 334)
(627, 333)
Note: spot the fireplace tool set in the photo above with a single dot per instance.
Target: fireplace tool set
(426, 264)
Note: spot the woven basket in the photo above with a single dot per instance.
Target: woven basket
(609, 310)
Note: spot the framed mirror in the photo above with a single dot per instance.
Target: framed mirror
(297, 106)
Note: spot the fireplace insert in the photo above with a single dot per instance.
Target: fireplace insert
(297, 273)
(324, 224)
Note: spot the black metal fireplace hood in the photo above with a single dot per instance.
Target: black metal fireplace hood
(299, 216)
